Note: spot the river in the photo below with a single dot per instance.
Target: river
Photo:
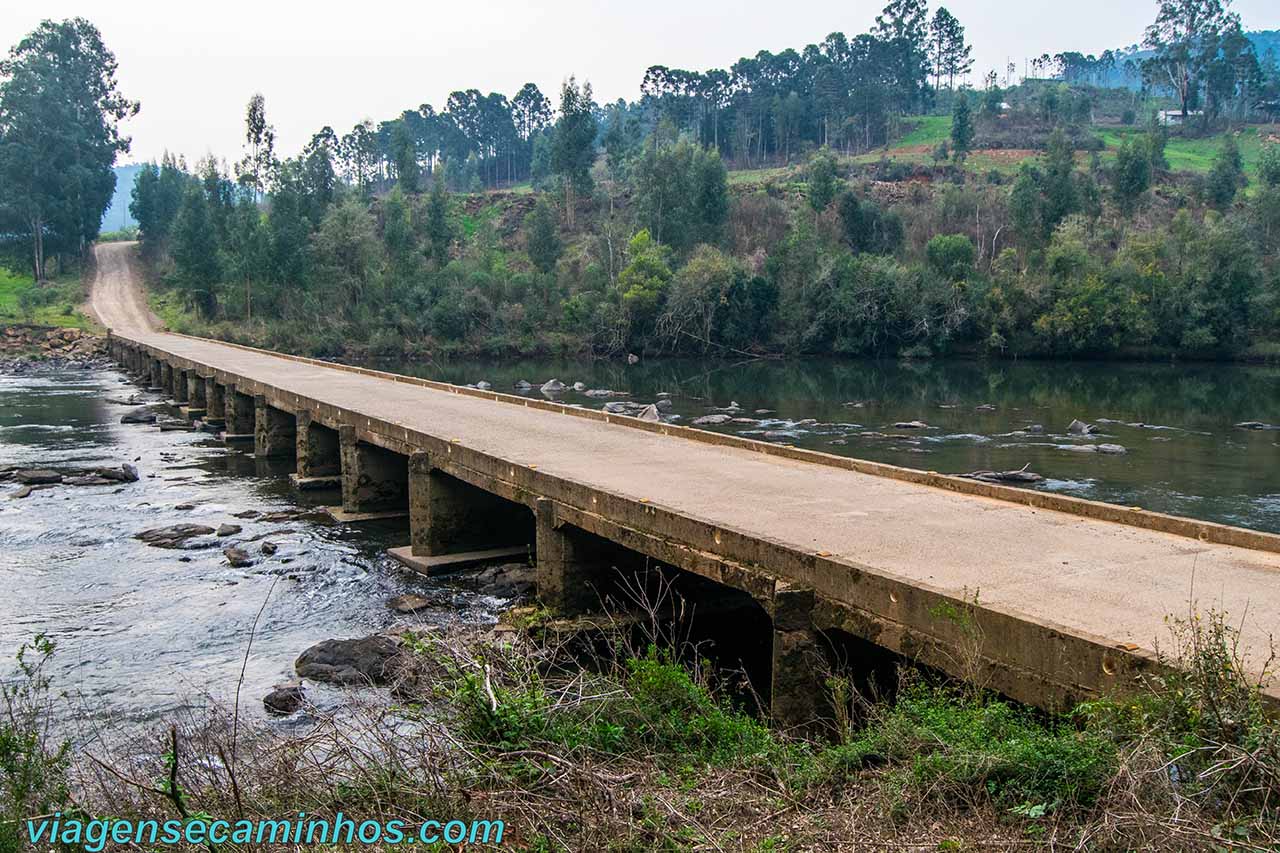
(142, 631)
(1184, 456)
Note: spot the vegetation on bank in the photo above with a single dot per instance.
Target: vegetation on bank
(641, 747)
(55, 302)
(851, 198)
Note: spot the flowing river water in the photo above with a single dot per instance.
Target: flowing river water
(142, 631)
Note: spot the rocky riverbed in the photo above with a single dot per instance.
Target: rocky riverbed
(146, 556)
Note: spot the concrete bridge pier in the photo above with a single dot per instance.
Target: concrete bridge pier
(573, 565)
(319, 454)
(240, 416)
(215, 402)
(166, 378)
(181, 388)
(798, 695)
(197, 402)
(274, 430)
(155, 380)
(454, 524)
(374, 480)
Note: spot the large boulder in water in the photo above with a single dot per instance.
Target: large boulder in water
(1079, 427)
(138, 416)
(711, 420)
(552, 386)
(364, 661)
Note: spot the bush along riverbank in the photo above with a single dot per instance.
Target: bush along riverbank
(632, 741)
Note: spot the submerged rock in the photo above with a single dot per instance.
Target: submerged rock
(483, 386)
(580, 386)
(711, 420)
(138, 416)
(911, 425)
(522, 385)
(37, 477)
(410, 603)
(1022, 475)
(173, 536)
(1257, 425)
(363, 661)
(284, 698)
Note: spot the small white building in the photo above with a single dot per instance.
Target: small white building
(1173, 118)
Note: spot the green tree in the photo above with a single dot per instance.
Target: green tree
(573, 144)
(961, 128)
(1269, 165)
(822, 181)
(439, 228)
(643, 283)
(542, 233)
(257, 168)
(868, 228)
(195, 250)
(1226, 175)
(950, 255)
(60, 110)
(1059, 186)
(1130, 174)
(347, 255)
(698, 297)
(1025, 209)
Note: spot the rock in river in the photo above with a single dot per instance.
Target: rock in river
(238, 557)
(409, 603)
(552, 386)
(37, 477)
(711, 420)
(173, 536)
(138, 416)
(649, 413)
(284, 698)
(367, 660)
(911, 425)
(1022, 475)
(1079, 427)
(1258, 425)
(228, 529)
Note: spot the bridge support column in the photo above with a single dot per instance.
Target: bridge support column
(181, 387)
(197, 401)
(798, 696)
(450, 516)
(238, 412)
(274, 432)
(375, 481)
(216, 402)
(153, 373)
(166, 377)
(319, 454)
(572, 564)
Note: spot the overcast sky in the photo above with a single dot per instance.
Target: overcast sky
(193, 67)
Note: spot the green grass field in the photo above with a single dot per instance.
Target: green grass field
(56, 303)
(926, 132)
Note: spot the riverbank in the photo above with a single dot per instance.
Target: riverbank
(631, 742)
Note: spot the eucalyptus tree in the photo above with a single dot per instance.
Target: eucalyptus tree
(60, 109)
(573, 145)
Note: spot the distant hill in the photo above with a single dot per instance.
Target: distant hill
(117, 215)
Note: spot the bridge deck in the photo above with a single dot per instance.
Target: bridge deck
(1107, 583)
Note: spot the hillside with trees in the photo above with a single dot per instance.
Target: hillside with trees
(853, 197)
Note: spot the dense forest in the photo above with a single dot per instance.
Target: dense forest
(755, 210)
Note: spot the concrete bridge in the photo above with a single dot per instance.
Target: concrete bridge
(1046, 598)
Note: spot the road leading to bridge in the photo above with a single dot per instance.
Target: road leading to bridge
(1099, 582)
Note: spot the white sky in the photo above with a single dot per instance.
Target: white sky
(194, 66)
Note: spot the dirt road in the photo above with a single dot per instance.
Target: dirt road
(116, 300)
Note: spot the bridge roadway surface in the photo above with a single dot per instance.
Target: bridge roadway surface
(1108, 582)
